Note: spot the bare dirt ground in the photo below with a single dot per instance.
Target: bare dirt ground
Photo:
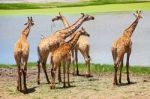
(97, 87)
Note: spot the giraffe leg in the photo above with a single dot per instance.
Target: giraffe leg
(39, 69)
(68, 67)
(24, 71)
(119, 58)
(64, 72)
(76, 58)
(19, 87)
(45, 71)
(127, 67)
(85, 53)
(114, 54)
(73, 61)
(121, 65)
(115, 74)
(88, 73)
(59, 73)
(53, 71)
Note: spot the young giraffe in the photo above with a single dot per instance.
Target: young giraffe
(21, 53)
(52, 42)
(61, 54)
(82, 45)
(123, 45)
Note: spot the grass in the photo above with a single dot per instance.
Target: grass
(86, 7)
(96, 68)
(107, 68)
(61, 4)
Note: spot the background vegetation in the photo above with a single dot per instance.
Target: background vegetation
(61, 4)
(95, 68)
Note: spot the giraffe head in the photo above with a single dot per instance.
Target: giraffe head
(30, 21)
(138, 14)
(87, 17)
(59, 17)
(83, 32)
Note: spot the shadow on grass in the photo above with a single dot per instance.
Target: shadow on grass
(83, 75)
(66, 87)
(30, 90)
(126, 84)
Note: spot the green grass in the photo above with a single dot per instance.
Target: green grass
(72, 9)
(105, 68)
(96, 68)
(61, 4)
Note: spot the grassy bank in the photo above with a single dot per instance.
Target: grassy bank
(62, 4)
(96, 68)
(145, 6)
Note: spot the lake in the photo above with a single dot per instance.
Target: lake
(105, 29)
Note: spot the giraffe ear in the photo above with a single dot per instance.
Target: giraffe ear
(82, 14)
(28, 18)
(83, 29)
(25, 24)
(59, 13)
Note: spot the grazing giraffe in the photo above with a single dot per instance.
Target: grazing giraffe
(62, 54)
(21, 53)
(123, 45)
(52, 42)
(82, 45)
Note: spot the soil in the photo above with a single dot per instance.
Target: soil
(97, 87)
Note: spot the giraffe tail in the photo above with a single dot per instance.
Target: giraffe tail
(114, 54)
(39, 56)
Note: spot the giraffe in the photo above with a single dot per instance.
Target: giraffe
(123, 45)
(21, 53)
(53, 41)
(61, 53)
(82, 45)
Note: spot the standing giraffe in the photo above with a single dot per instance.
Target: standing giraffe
(82, 45)
(52, 42)
(123, 45)
(62, 53)
(21, 53)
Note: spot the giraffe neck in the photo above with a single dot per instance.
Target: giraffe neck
(72, 42)
(71, 29)
(65, 22)
(26, 31)
(129, 31)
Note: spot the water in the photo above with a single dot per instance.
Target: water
(106, 28)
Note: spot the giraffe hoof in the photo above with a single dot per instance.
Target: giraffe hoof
(69, 85)
(52, 87)
(38, 82)
(64, 86)
(120, 81)
(19, 88)
(115, 83)
(129, 82)
(25, 89)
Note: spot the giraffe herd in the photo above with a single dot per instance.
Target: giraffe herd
(62, 52)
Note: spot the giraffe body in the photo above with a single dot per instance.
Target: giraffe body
(122, 46)
(21, 53)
